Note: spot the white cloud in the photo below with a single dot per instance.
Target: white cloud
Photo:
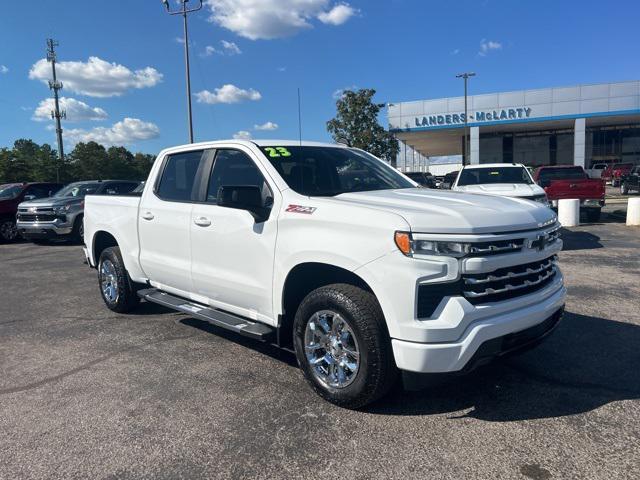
(268, 19)
(76, 110)
(487, 45)
(4, 69)
(338, 14)
(455, 51)
(209, 50)
(227, 94)
(339, 93)
(242, 135)
(231, 48)
(129, 130)
(266, 126)
(228, 48)
(96, 77)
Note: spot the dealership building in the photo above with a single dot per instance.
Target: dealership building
(580, 125)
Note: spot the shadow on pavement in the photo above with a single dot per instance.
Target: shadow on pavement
(263, 348)
(588, 362)
(579, 240)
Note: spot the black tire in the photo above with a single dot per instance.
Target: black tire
(124, 297)
(615, 183)
(624, 189)
(360, 310)
(77, 234)
(593, 215)
(8, 231)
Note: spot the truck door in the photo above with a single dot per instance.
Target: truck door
(232, 255)
(164, 222)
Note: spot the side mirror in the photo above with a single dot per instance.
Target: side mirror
(29, 197)
(244, 197)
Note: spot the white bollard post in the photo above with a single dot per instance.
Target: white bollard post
(569, 212)
(633, 211)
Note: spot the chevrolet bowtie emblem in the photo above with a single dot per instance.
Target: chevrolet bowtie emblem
(540, 242)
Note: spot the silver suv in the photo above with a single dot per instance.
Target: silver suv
(61, 216)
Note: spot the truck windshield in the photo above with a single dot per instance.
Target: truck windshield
(549, 174)
(480, 176)
(329, 171)
(78, 190)
(9, 191)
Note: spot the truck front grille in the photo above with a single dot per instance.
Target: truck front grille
(510, 282)
(36, 217)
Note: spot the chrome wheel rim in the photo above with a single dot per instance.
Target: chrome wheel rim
(81, 230)
(331, 349)
(8, 230)
(109, 281)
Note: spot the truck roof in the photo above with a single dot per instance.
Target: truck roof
(260, 143)
(494, 165)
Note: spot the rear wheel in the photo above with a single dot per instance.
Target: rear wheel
(116, 287)
(343, 347)
(8, 230)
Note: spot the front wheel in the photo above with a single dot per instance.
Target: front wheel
(342, 345)
(8, 230)
(116, 287)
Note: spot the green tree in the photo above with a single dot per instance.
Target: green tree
(356, 123)
(88, 161)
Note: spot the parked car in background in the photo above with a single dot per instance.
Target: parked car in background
(504, 179)
(564, 182)
(596, 170)
(361, 276)
(61, 215)
(631, 182)
(614, 172)
(11, 195)
(424, 179)
(448, 180)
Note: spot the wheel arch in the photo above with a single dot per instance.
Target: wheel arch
(101, 241)
(302, 279)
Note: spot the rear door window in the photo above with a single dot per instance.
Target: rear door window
(178, 176)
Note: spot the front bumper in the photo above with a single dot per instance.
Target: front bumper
(43, 229)
(498, 330)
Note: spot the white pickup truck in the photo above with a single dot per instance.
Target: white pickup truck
(329, 252)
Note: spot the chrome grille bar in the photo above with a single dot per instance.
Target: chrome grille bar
(492, 278)
(507, 288)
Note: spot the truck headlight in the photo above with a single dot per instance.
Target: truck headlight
(62, 209)
(409, 247)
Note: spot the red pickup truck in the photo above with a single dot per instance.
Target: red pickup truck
(614, 173)
(560, 182)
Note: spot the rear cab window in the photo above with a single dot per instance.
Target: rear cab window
(177, 182)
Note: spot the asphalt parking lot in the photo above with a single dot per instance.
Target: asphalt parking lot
(86, 393)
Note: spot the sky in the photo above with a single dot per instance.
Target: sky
(122, 61)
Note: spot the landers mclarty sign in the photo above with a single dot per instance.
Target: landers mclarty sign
(479, 116)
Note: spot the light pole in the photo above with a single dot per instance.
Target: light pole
(184, 11)
(466, 76)
(56, 114)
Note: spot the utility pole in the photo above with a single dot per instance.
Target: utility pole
(184, 11)
(465, 158)
(56, 114)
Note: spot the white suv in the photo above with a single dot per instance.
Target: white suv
(504, 179)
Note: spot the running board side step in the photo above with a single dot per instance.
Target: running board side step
(219, 318)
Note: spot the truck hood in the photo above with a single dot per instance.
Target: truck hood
(429, 211)
(504, 189)
(52, 202)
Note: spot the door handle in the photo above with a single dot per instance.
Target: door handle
(202, 221)
(147, 216)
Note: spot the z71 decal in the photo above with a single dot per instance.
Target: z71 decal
(300, 209)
